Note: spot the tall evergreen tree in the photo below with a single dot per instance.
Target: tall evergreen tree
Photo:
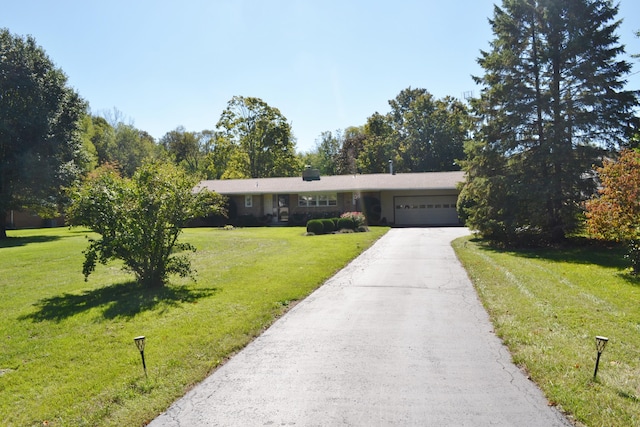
(553, 102)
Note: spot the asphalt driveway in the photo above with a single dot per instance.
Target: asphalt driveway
(397, 338)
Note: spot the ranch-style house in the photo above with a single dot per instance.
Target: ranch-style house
(403, 199)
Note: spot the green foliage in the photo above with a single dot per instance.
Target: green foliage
(348, 221)
(139, 219)
(203, 153)
(40, 148)
(430, 132)
(346, 224)
(552, 101)
(118, 143)
(133, 148)
(328, 225)
(315, 226)
(263, 145)
(420, 134)
(358, 218)
(324, 157)
(103, 137)
(183, 148)
(379, 145)
(87, 131)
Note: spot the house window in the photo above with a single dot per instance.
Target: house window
(248, 201)
(303, 201)
(317, 200)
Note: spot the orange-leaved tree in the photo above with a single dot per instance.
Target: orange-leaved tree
(615, 213)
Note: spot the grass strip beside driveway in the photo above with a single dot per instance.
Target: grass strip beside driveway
(67, 355)
(548, 305)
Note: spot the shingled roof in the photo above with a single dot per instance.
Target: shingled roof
(338, 183)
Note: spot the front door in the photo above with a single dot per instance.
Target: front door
(283, 207)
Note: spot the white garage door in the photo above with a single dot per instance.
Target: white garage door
(426, 210)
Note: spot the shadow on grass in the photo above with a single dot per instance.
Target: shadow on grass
(119, 300)
(632, 279)
(629, 396)
(578, 251)
(12, 242)
(575, 251)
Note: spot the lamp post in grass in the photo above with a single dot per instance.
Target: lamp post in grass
(601, 343)
(140, 344)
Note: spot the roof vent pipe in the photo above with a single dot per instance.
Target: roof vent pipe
(391, 167)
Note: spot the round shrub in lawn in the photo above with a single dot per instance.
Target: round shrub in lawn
(315, 226)
(329, 225)
(346, 224)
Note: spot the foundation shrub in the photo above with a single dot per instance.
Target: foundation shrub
(315, 226)
(346, 223)
(329, 225)
(357, 217)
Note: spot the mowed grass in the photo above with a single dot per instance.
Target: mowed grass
(548, 306)
(67, 355)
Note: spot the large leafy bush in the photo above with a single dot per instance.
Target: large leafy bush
(139, 219)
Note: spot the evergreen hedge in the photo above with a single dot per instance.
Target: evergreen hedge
(346, 223)
(315, 226)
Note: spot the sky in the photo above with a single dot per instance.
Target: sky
(325, 64)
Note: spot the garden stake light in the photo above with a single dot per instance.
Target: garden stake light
(601, 343)
(140, 344)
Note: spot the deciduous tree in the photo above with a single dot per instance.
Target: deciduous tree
(429, 132)
(379, 145)
(133, 147)
(40, 147)
(184, 148)
(615, 213)
(263, 137)
(324, 157)
(219, 153)
(140, 219)
(119, 142)
(103, 137)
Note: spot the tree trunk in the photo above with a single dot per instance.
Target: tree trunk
(3, 226)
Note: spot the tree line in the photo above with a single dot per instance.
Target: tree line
(419, 134)
(255, 140)
(552, 109)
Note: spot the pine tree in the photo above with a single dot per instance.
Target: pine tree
(553, 101)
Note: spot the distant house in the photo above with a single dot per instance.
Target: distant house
(25, 219)
(404, 199)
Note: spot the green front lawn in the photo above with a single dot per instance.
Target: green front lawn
(67, 356)
(548, 306)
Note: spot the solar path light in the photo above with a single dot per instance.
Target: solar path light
(140, 344)
(601, 343)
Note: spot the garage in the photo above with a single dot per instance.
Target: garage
(426, 210)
